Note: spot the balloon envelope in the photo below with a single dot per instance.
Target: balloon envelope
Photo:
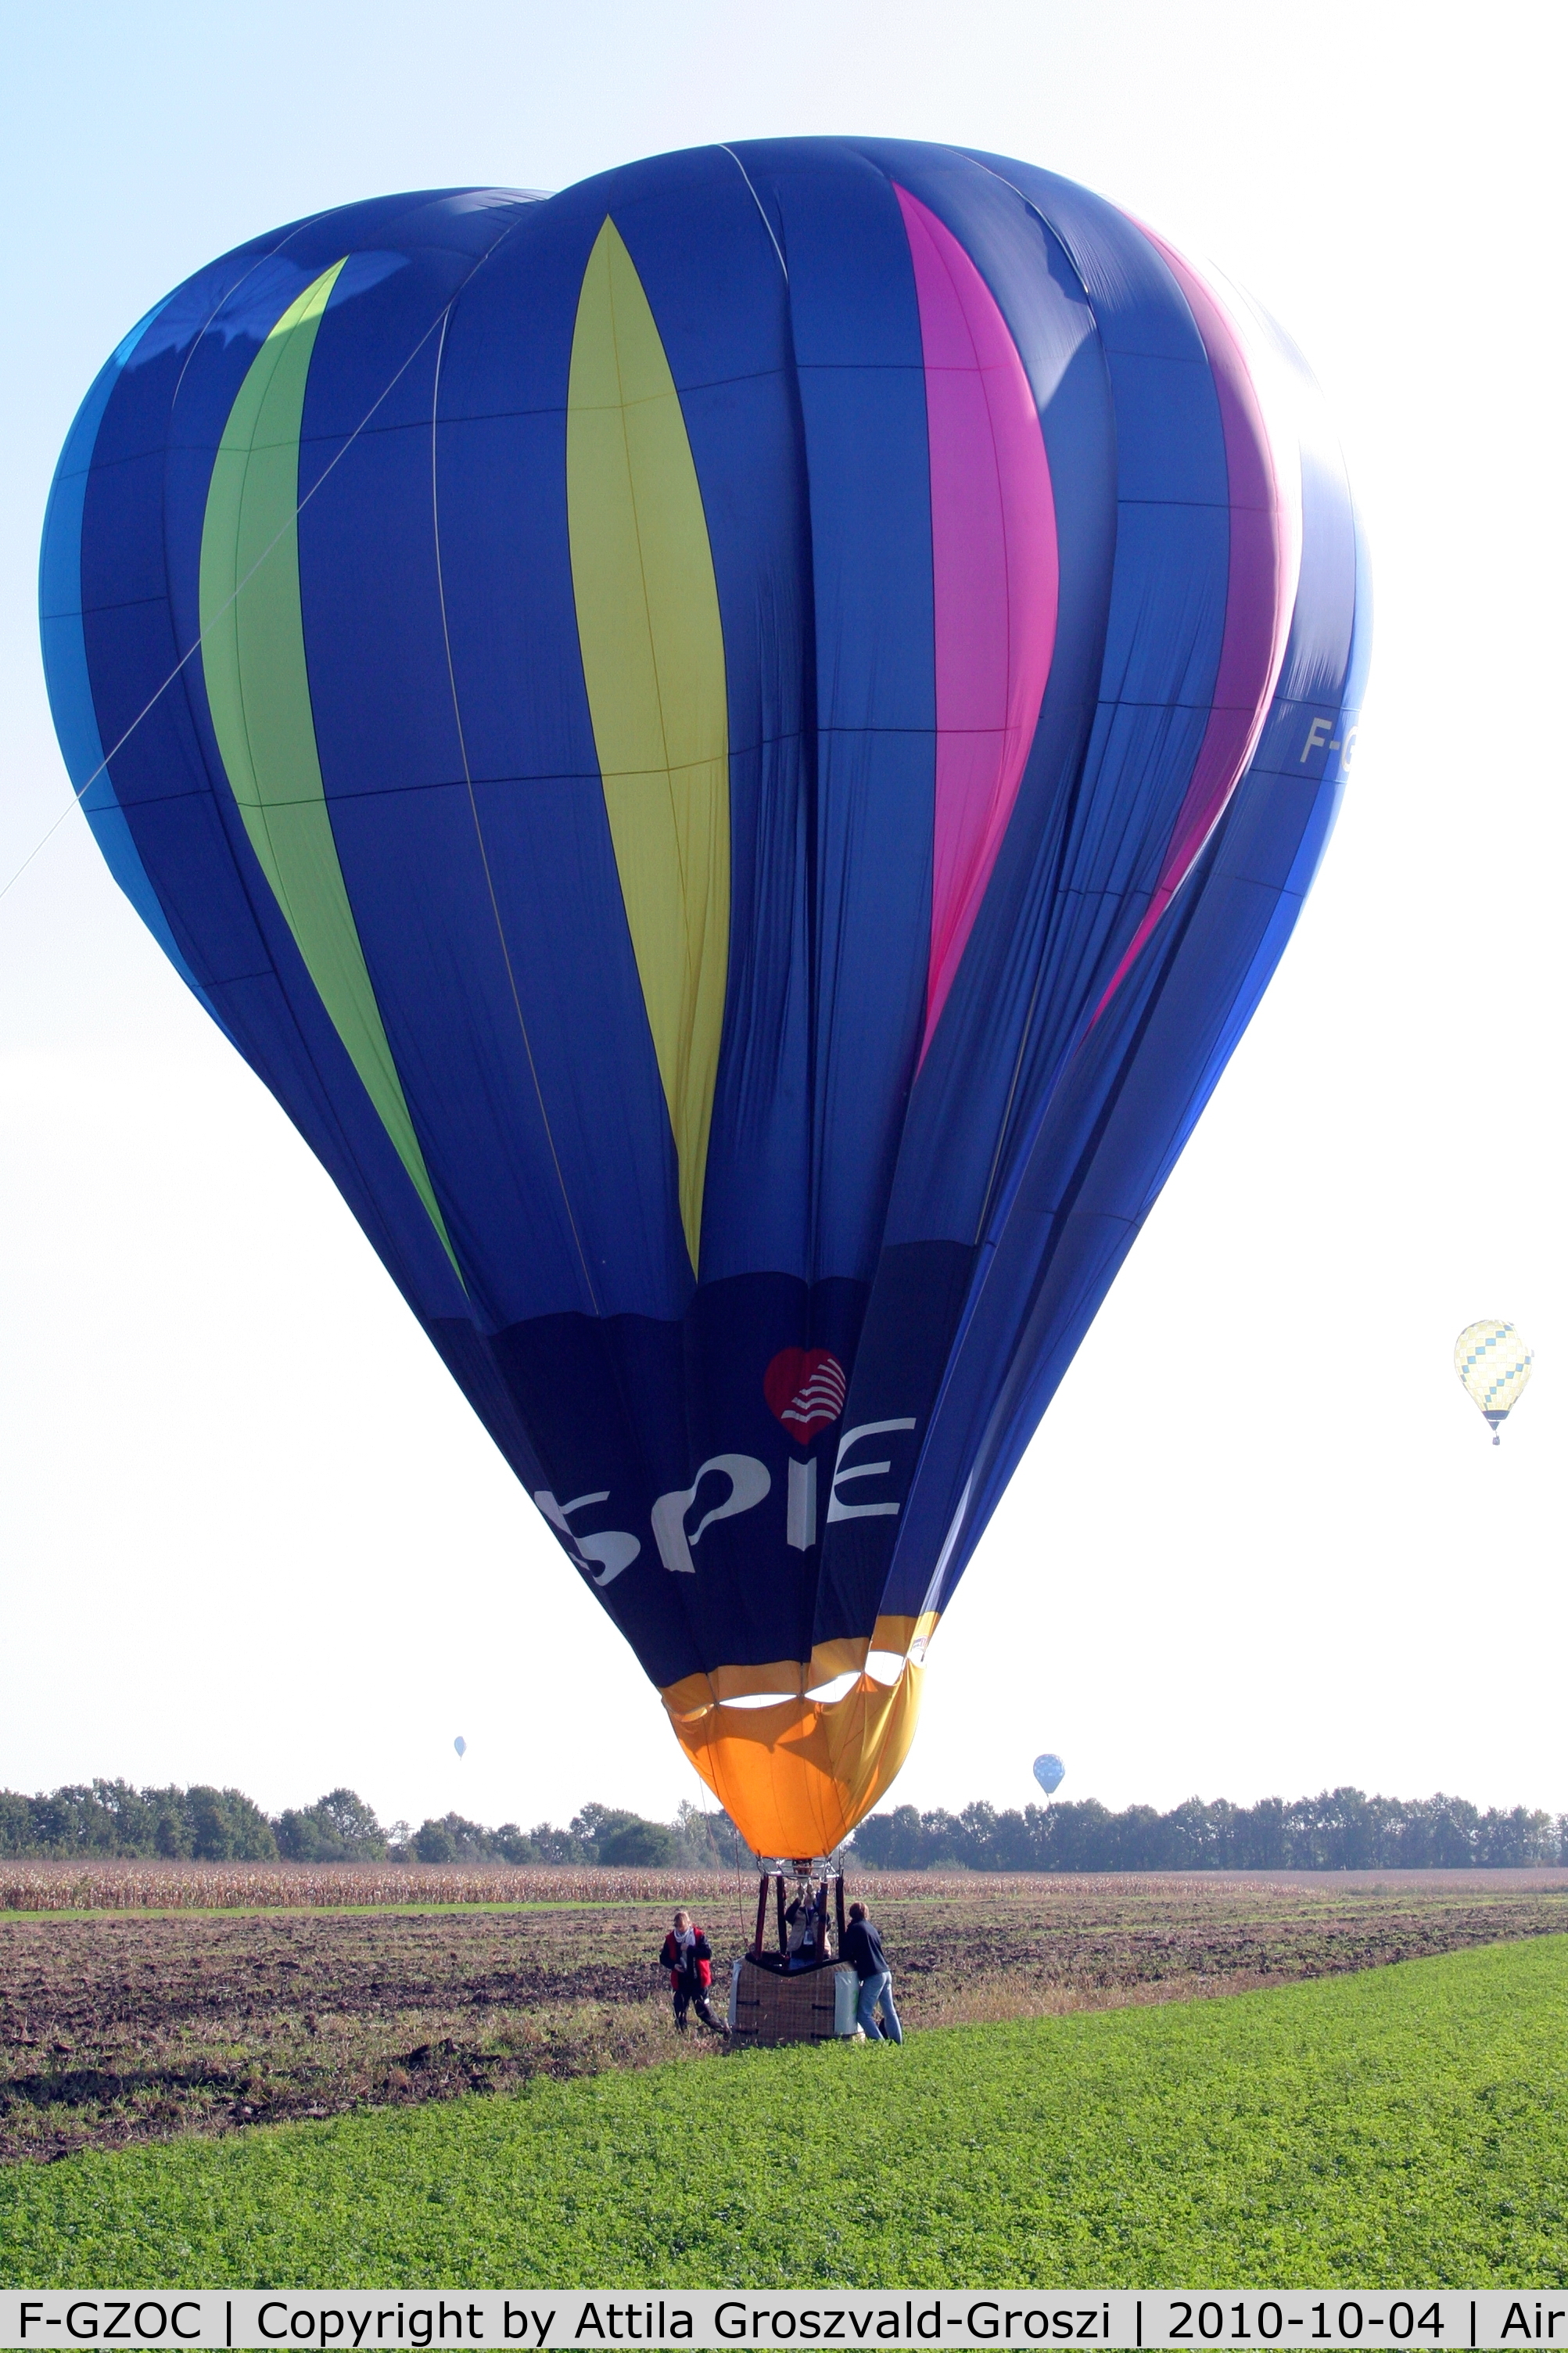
(1050, 1773)
(461, 1745)
(1494, 1365)
(736, 746)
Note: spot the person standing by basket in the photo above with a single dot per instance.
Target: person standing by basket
(688, 1957)
(863, 1947)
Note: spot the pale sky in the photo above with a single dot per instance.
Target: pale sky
(1261, 1544)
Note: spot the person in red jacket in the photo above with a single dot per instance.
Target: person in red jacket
(688, 1957)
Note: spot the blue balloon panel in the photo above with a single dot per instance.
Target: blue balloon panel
(736, 746)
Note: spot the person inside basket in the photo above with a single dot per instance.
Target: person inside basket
(806, 1922)
(688, 1957)
(863, 1947)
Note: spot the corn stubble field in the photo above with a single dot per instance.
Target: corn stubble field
(139, 2003)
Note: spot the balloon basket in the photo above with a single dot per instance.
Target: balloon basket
(796, 1990)
(769, 2006)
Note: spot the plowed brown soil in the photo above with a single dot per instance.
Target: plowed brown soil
(129, 2024)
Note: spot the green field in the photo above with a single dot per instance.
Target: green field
(1407, 2125)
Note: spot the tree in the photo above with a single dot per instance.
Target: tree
(171, 1823)
(16, 1823)
(339, 1828)
(226, 1826)
(707, 1841)
(635, 1842)
(208, 1820)
(551, 1845)
(612, 1835)
(454, 1839)
(356, 1824)
(593, 1821)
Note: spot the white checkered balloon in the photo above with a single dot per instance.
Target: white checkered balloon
(1494, 1364)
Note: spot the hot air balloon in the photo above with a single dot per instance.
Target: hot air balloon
(1050, 1773)
(461, 1746)
(1494, 1365)
(736, 746)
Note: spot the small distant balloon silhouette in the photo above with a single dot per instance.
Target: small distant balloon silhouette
(461, 1745)
(1494, 1364)
(1050, 1773)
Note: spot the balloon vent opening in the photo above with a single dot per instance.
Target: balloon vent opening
(836, 1688)
(793, 1770)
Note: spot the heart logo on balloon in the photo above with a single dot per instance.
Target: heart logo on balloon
(804, 1388)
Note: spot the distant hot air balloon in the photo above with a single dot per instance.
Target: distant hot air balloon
(1494, 1365)
(1050, 1773)
(461, 1746)
(736, 746)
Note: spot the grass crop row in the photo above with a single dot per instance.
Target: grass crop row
(1407, 2126)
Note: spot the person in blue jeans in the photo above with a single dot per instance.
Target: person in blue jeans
(863, 1947)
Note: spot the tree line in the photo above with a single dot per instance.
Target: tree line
(112, 1820)
(1340, 1829)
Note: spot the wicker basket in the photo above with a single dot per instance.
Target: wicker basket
(805, 2006)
